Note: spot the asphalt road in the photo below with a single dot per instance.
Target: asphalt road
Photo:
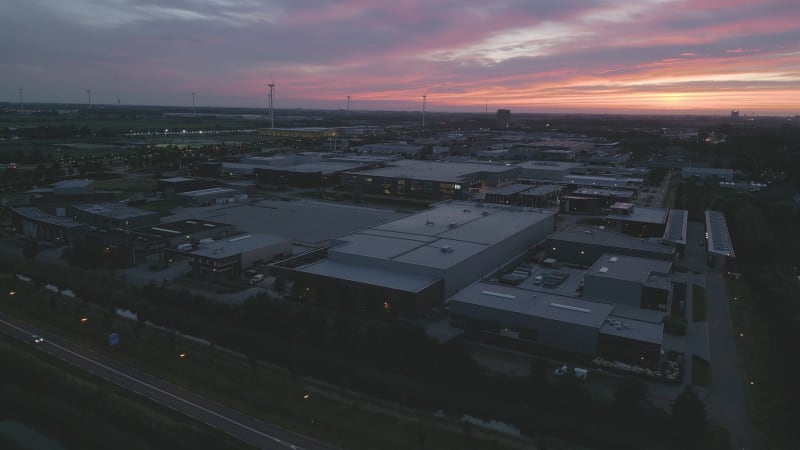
(246, 428)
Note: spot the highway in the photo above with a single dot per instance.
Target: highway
(248, 429)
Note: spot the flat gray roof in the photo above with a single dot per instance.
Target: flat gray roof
(642, 214)
(719, 241)
(541, 190)
(41, 216)
(638, 330)
(238, 244)
(182, 227)
(73, 183)
(593, 235)
(548, 165)
(511, 189)
(210, 191)
(299, 219)
(442, 236)
(392, 279)
(629, 268)
(177, 179)
(453, 172)
(535, 304)
(676, 226)
(113, 210)
(604, 192)
(600, 180)
(319, 166)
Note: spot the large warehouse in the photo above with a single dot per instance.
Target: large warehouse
(629, 280)
(528, 320)
(227, 258)
(584, 245)
(455, 242)
(430, 179)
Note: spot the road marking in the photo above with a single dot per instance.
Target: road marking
(188, 402)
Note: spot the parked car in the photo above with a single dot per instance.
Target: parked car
(579, 373)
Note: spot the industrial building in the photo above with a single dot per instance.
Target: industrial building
(549, 170)
(719, 248)
(583, 245)
(182, 184)
(33, 223)
(211, 196)
(112, 215)
(118, 247)
(430, 179)
(534, 321)
(189, 231)
(675, 231)
(639, 221)
(629, 280)
(524, 195)
(226, 259)
(707, 172)
(612, 182)
(436, 253)
(593, 200)
(391, 148)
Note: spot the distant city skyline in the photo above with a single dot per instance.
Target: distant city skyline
(582, 56)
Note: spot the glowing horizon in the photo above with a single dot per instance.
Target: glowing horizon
(653, 56)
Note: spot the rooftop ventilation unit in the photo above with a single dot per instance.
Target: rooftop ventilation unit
(570, 308)
(613, 259)
(453, 224)
(498, 294)
(485, 213)
(429, 223)
(446, 249)
(603, 270)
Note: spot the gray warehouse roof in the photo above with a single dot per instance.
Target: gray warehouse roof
(633, 329)
(392, 279)
(210, 192)
(629, 268)
(72, 184)
(41, 216)
(453, 172)
(719, 241)
(238, 244)
(642, 214)
(535, 304)
(676, 226)
(592, 235)
(442, 236)
(113, 210)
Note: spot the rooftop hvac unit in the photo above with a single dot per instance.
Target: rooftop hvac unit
(453, 224)
(485, 213)
(446, 249)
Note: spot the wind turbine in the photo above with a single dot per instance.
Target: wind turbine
(194, 111)
(348, 106)
(424, 99)
(21, 105)
(89, 93)
(271, 111)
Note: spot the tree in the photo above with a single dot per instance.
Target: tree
(689, 422)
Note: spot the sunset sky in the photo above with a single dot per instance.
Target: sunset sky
(664, 56)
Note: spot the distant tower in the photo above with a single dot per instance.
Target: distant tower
(271, 111)
(21, 105)
(734, 114)
(89, 93)
(503, 118)
(348, 106)
(486, 104)
(194, 111)
(424, 99)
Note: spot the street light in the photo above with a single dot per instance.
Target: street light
(12, 293)
(84, 319)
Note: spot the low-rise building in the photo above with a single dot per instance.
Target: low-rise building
(639, 221)
(630, 280)
(583, 245)
(227, 258)
(112, 215)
